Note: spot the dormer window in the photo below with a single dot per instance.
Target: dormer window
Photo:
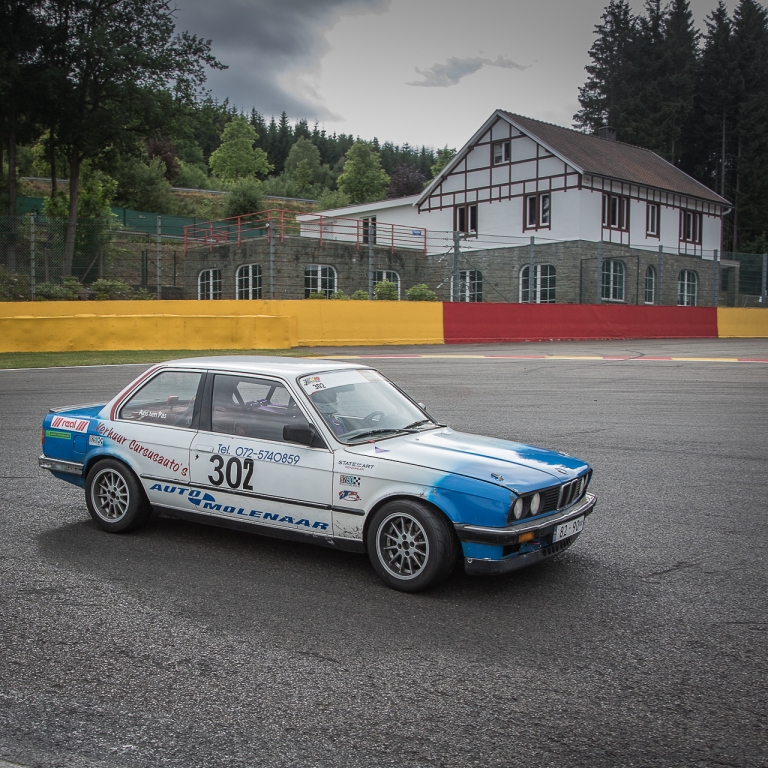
(501, 152)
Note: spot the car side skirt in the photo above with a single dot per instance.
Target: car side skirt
(347, 545)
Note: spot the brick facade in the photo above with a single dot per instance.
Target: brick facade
(576, 264)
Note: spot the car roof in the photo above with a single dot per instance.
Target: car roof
(289, 367)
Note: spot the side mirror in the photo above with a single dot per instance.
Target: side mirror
(303, 435)
(422, 406)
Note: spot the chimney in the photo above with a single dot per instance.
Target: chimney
(607, 133)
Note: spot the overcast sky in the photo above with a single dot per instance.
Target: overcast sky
(417, 71)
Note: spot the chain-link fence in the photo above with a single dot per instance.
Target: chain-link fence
(283, 255)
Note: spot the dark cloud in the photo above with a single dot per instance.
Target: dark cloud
(450, 73)
(261, 40)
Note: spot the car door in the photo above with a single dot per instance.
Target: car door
(245, 468)
(153, 430)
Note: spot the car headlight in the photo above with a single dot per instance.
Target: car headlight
(517, 509)
(535, 503)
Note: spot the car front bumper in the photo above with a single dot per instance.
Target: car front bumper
(515, 555)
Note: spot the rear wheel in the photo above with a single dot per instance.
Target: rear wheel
(411, 546)
(115, 498)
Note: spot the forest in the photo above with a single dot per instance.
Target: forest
(698, 99)
(111, 97)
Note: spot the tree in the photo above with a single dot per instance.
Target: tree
(406, 180)
(750, 38)
(363, 178)
(238, 157)
(443, 157)
(603, 95)
(245, 196)
(303, 164)
(113, 58)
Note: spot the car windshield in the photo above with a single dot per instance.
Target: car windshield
(360, 405)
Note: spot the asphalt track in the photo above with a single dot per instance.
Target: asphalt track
(645, 645)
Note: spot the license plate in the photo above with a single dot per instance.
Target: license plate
(571, 528)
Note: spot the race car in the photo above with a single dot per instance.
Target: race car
(322, 451)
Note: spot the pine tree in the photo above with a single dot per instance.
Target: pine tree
(603, 95)
(750, 37)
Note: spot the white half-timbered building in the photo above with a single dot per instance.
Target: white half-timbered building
(517, 178)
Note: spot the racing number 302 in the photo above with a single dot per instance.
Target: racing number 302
(233, 474)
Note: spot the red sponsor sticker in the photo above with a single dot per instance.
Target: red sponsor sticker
(76, 425)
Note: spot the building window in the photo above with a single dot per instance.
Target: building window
(537, 211)
(209, 284)
(465, 219)
(650, 285)
(248, 281)
(470, 286)
(616, 212)
(690, 227)
(687, 284)
(500, 152)
(612, 287)
(543, 289)
(369, 230)
(380, 275)
(652, 219)
(319, 278)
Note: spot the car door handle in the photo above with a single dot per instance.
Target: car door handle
(204, 448)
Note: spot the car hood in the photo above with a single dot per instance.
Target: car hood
(516, 466)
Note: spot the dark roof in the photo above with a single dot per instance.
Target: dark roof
(615, 159)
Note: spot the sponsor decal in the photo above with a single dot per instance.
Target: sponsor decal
(277, 457)
(500, 478)
(158, 458)
(355, 466)
(76, 425)
(376, 449)
(207, 502)
(142, 450)
(153, 414)
(312, 382)
(96, 440)
(59, 435)
(106, 431)
(349, 496)
(349, 480)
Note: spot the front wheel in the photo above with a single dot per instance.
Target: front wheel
(411, 546)
(114, 497)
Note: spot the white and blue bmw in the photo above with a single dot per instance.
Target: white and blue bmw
(320, 451)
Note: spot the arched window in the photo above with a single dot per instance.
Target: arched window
(687, 285)
(319, 278)
(209, 284)
(650, 285)
(543, 289)
(470, 286)
(248, 281)
(612, 286)
(380, 275)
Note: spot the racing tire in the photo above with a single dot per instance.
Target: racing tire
(411, 546)
(115, 497)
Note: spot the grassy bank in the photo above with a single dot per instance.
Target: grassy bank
(61, 359)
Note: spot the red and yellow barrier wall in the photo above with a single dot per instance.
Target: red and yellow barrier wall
(178, 325)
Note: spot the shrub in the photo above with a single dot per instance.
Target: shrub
(317, 295)
(13, 287)
(385, 291)
(244, 197)
(105, 290)
(420, 292)
(69, 290)
(340, 296)
(359, 296)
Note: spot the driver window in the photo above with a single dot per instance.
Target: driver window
(167, 399)
(257, 408)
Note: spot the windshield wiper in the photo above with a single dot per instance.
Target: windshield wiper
(423, 421)
(371, 432)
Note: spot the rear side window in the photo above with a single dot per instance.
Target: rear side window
(168, 399)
